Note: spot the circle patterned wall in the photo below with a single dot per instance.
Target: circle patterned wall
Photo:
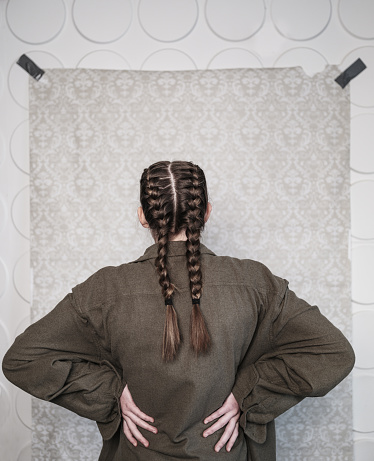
(169, 35)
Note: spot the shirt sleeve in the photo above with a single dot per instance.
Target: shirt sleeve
(306, 356)
(58, 359)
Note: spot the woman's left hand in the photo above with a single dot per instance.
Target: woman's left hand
(134, 417)
(228, 415)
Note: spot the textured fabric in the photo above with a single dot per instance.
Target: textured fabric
(270, 348)
(274, 144)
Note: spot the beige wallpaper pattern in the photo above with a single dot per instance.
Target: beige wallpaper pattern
(274, 144)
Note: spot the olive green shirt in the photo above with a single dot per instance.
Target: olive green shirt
(270, 348)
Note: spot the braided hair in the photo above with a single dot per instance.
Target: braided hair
(174, 198)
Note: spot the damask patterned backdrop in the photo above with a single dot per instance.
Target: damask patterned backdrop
(274, 144)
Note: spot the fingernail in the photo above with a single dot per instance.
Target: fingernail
(217, 449)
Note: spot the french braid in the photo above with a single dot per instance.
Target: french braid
(199, 336)
(158, 211)
(173, 196)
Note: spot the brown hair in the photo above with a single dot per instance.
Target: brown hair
(174, 197)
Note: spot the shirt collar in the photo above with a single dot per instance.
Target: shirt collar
(176, 248)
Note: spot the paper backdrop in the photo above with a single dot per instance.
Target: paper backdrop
(274, 144)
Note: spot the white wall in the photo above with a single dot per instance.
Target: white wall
(180, 34)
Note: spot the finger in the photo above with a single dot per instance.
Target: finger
(128, 434)
(218, 424)
(136, 433)
(136, 410)
(226, 435)
(230, 404)
(221, 411)
(128, 402)
(139, 422)
(233, 438)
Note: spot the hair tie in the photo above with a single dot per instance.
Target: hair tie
(195, 300)
(168, 302)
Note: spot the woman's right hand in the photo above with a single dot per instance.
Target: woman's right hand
(228, 415)
(134, 417)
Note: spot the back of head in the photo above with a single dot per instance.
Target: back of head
(174, 199)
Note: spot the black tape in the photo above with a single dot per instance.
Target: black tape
(351, 72)
(30, 67)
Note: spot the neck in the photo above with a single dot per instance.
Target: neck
(181, 237)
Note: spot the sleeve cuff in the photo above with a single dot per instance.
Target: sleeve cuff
(254, 431)
(109, 428)
(246, 380)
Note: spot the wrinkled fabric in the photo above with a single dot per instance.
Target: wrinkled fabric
(270, 348)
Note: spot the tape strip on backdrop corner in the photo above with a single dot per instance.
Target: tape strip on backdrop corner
(30, 67)
(351, 72)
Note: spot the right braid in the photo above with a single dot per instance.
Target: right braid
(199, 335)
